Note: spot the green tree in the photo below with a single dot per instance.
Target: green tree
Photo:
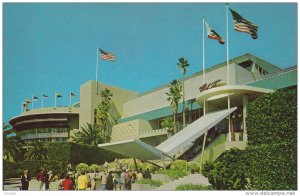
(183, 64)
(90, 134)
(174, 95)
(12, 146)
(103, 113)
(36, 151)
(167, 124)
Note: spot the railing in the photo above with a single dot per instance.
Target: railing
(153, 132)
(44, 135)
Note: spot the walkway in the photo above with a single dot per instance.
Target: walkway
(190, 179)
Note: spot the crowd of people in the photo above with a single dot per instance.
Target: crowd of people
(121, 179)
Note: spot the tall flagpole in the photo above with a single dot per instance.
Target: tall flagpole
(70, 99)
(55, 99)
(227, 57)
(42, 101)
(32, 102)
(97, 68)
(203, 66)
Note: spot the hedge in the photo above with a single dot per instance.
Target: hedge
(272, 118)
(186, 187)
(77, 153)
(270, 160)
(265, 167)
(58, 167)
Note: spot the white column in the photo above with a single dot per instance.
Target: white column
(204, 139)
(229, 126)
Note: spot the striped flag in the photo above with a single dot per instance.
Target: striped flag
(58, 95)
(107, 56)
(45, 96)
(243, 25)
(213, 35)
(35, 98)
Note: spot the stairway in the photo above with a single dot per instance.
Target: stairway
(190, 179)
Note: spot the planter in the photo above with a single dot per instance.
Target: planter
(162, 177)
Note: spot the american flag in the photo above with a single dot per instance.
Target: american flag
(213, 35)
(107, 56)
(243, 25)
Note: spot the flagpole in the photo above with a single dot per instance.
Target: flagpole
(203, 66)
(55, 99)
(22, 107)
(42, 101)
(97, 69)
(227, 58)
(32, 102)
(70, 99)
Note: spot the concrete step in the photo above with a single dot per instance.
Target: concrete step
(190, 179)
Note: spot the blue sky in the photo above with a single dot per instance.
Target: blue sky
(52, 46)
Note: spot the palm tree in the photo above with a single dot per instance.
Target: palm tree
(168, 124)
(37, 151)
(90, 134)
(12, 146)
(182, 64)
(103, 112)
(174, 95)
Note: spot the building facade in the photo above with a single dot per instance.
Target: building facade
(139, 115)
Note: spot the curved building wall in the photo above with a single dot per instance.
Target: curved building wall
(46, 124)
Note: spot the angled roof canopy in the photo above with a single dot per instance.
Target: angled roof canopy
(178, 142)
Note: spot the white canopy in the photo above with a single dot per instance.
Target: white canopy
(185, 137)
(178, 142)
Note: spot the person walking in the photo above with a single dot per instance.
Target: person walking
(103, 181)
(122, 180)
(147, 174)
(82, 181)
(109, 182)
(25, 178)
(67, 183)
(139, 175)
(41, 178)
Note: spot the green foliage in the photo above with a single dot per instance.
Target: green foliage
(82, 167)
(264, 167)
(156, 183)
(168, 124)
(94, 168)
(272, 118)
(228, 172)
(89, 134)
(33, 167)
(12, 146)
(173, 174)
(182, 64)
(11, 170)
(149, 166)
(193, 166)
(36, 151)
(186, 187)
(270, 161)
(180, 165)
(103, 114)
(77, 153)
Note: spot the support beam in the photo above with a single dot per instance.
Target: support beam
(245, 103)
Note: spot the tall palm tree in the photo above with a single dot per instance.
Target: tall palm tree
(90, 134)
(37, 151)
(174, 96)
(182, 64)
(12, 145)
(103, 112)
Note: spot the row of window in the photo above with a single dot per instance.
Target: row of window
(43, 130)
(45, 140)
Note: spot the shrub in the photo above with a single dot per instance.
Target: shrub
(94, 168)
(272, 118)
(149, 166)
(179, 165)
(193, 167)
(78, 153)
(173, 174)
(57, 167)
(155, 183)
(82, 167)
(193, 187)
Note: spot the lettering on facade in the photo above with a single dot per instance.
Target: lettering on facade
(214, 84)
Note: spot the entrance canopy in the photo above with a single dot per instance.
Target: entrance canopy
(178, 142)
(133, 148)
